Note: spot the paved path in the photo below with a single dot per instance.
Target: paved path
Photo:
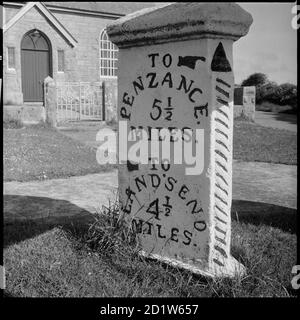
(252, 181)
(276, 120)
(59, 197)
(265, 182)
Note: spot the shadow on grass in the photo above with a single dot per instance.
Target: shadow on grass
(31, 216)
(259, 213)
(27, 217)
(280, 114)
(287, 117)
(289, 111)
(268, 248)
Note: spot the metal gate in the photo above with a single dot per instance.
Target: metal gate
(80, 101)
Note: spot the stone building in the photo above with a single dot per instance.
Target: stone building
(64, 40)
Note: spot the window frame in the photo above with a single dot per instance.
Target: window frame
(8, 67)
(107, 59)
(64, 61)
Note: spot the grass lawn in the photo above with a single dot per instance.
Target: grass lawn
(37, 153)
(252, 142)
(58, 259)
(43, 260)
(84, 131)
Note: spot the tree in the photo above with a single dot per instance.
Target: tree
(288, 94)
(256, 79)
(270, 92)
(284, 94)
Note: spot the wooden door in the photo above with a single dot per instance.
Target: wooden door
(35, 64)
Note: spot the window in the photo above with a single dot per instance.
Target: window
(108, 54)
(61, 60)
(11, 58)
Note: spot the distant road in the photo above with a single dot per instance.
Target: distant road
(276, 120)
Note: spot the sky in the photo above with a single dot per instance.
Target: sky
(270, 46)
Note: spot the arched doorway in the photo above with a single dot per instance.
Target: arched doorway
(35, 64)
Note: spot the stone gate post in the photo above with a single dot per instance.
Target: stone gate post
(50, 96)
(175, 75)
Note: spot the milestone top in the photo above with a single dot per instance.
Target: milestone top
(180, 21)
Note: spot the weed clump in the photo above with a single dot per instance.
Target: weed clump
(110, 233)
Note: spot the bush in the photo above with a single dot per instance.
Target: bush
(284, 94)
(288, 95)
(269, 91)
